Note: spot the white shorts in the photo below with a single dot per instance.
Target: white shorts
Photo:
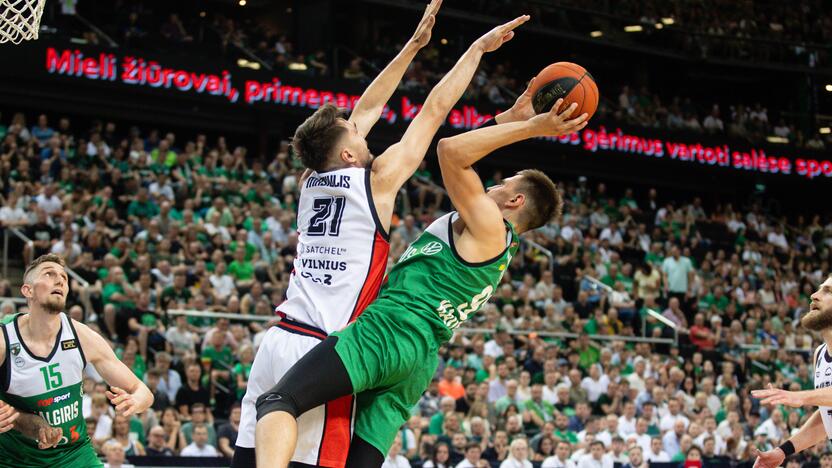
(324, 433)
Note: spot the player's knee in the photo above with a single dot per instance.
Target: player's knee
(275, 400)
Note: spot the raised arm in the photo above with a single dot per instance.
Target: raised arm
(128, 393)
(457, 155)
(369, 107)
(397, 164)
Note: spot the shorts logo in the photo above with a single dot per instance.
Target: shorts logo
(432, 248)
(69, 344)
(15, 349)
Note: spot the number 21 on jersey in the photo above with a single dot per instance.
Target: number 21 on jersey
(327, 217)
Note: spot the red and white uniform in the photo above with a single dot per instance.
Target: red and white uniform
(342, 251)
(823, 379)
(338, 270)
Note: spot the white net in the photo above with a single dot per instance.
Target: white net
(20, 20)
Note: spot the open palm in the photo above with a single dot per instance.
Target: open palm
(423, 31)
(492, 40)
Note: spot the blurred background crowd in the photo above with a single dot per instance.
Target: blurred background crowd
(153, 224)
(629, 332)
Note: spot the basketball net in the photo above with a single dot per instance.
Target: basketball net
(20, 20)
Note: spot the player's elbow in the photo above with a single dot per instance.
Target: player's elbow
(447, 150)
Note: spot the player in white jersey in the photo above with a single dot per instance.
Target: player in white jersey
(819, 426)
(346, 204)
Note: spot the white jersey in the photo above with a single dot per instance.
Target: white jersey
(823, 379)
(342, 250)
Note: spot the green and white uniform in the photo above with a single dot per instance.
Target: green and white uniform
(390, 352)
(51, 387)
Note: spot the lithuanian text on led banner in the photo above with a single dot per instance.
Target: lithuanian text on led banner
(137, 71)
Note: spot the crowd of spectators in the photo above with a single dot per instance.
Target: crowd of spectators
(152, 223)
(742, 121)
(793, 33)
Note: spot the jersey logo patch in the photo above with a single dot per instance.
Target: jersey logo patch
(19, 362)
(828, 371)
(432, 248)
(15, 349)
(69, 344)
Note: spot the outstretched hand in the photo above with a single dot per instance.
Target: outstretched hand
(554, 123)
(124, 402)
(423, 31)
(771, 459)
(492, 40)
(778, 396)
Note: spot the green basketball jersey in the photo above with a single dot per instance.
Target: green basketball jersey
(431, 278)
(50, 387)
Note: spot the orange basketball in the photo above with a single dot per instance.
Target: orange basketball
(568, 81)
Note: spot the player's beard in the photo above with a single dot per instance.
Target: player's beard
(817, 320)
(54, 304)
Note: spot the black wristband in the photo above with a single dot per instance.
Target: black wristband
(787, 448)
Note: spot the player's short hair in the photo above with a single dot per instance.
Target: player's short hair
(315, 138)
(53, 258)
(543, 199)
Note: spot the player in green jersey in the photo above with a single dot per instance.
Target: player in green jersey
(42, 359)
(389, 354)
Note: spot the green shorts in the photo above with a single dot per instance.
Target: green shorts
(391, 355)
(82, 456)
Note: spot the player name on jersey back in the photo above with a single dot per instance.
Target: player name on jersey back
(341, 253)
(328, 180)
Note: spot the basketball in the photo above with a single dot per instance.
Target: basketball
(565, 80)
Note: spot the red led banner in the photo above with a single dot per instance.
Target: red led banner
(137, 71)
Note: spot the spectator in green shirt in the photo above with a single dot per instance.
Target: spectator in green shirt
(116, 294)
(437, 421)
(538, 409)
(241, 270)
(221, 358)
(142, 207)
(241, 242)
(131, 358)
(510, 398)
(200, 415)
(562, 431)
(219, 206)
(588, 351)
(242, 369)
(176, 293)
(117, 290)
(163, 154)
(612, 276)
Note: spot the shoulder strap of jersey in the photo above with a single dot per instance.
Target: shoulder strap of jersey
(5, 368)
(818, 354)
(77, 340)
